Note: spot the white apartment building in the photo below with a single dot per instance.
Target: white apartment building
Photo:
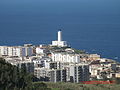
(40, 50)
(18, 51)
(3, 50)
(65, 57)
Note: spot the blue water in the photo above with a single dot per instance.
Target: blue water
(91, 25)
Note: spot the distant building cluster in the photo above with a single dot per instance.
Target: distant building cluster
(60, 63)
(19, 51)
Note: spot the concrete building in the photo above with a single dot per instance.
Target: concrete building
(93, 57)
(58, 75)
(41, 72)
(59, 42)
(67, 68)
(40, 50)
(12, 51)
(54, 75)
(3, 50)
(47, 63)
(16, 51)
(29, 66)
(54, 65)
(65, 57)
(102, 70)
(95, 70)
(42, 62)
(28, 51)
(79, 73)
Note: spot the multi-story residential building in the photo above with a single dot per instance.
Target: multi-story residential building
(65, 57)
(47, 63)
(29, 66)
(18, 51)
(54, 75)
(95, 70)
(3, 50)
(67, 68)
(40, 50)
(12, 51)
(41, 72)
(26, 64)
(79, 73)
(55, 65)
(102, 69)
(28, 51)
(58, 75)
(42, 62)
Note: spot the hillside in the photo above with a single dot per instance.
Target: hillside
(74, 86)
(13, 78)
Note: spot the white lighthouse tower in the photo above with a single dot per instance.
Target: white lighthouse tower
(59, 35)
(59, 42)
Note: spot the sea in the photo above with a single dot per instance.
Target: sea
(90, 25)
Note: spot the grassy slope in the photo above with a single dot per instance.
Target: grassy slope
(73, 86)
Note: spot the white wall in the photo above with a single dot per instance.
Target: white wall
(16, 51)
(39, 50)
(61, 57)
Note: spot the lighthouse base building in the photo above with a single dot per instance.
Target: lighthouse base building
(59, 42)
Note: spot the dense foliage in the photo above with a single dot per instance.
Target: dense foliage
(79, 51)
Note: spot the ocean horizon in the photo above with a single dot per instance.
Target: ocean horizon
(90, 25)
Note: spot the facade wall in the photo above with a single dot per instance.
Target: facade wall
(4, 50)
(58, 75)
(79, 73)
(60, 57)
(28, 51)
(59, 43)
(29, 66)
(16, 51)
